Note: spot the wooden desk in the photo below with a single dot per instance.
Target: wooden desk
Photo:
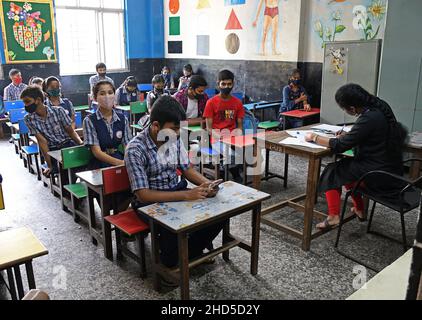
(314, 156)
(299, 114)
(57, 189)
(186, 217)
(416, 167)
(94, 182)
(18, 247)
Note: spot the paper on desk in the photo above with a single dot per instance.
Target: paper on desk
(416, 138)
(300, 134)
(301, 143)
(332, 128)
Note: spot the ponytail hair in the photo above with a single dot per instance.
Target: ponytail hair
(353, 95)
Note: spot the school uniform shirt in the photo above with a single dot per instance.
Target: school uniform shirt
(368, 138)
(224, 113)
(52, 128)
(289, 97)
(151, 168)
(124, 98)
(92, 137)
(153, 96)
(95, 79)
(183, 82)
(66, 104)
(182, 97)
(168, 81)
(13, 93)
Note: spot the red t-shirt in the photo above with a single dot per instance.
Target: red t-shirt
(224, 113)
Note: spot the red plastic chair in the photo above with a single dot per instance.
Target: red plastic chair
(116, 180)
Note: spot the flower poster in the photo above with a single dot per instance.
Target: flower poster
(28, 31)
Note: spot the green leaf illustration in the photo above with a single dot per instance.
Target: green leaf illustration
(340, 28)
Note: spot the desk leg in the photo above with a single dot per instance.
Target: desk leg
(226, 238)
(245, 171)
(256, 227)
(62, 176)
(30, 275)
(182, 239)
(311, 191)
(155, 253)
(256, 182)
(91, 215)
(267, 163)
(416, 166)
(286, 169)
(106, 227)
(11, 281)
(19, 284)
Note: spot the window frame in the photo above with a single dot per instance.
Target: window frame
(99, 21)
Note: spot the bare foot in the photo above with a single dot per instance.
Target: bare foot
(331, 221)
(358, 213)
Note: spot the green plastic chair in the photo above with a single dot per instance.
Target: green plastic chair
(138, 107)
(267, 125)
(72, 158)
(81, 108)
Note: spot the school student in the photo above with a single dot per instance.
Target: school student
(53, 91)
(193, 99)
(184, 80)
(294, 98)
(51, 126)
(127, 92)
(107, 129)
(224, 113)
(36, 81)
(153, 175)
(377, 140)
(13, 91)
(168, 78)
(101, 69)
(157, 91)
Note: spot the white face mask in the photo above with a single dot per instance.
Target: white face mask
(106, 101)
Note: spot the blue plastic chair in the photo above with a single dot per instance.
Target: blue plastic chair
(29, 151)
(239, 95)
(143, 87)
(9, 105)
(16, 114)
(78, 119)
(210, 92)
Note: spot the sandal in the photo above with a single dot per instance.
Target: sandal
(361, 219)
(327, 225)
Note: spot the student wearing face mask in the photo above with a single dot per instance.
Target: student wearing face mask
(294, 98)
(184, 80)
(193, 99)
(168, 78)
(53, 92)
(36, 81)
(377, 139)
(51, 126)
(157, 91)
(224, 115)
(13, 91)
(127, 92)
(101, 75)
(106, 129)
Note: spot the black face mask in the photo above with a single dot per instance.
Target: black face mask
(31, 108)
(159, 91)
(198, 96)
(102, 75)
(226, 91)
(296, 82)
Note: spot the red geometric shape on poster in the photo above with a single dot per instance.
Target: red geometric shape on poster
(174, 6)
(233, 23)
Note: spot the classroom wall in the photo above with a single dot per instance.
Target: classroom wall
(144, 53)
(204, 39)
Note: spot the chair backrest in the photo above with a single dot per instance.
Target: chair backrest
(210, 92)
(76, 157)
(16, 114)
(138, 107)
(9, 105)
(23, 129)
(115, 179)
(144, 86)
(78, 119)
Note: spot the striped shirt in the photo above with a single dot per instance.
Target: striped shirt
(52, 128)
(66, 104)
(152, 168)
(91, 136)
(13, 93)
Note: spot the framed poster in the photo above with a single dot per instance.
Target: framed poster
(28, 30)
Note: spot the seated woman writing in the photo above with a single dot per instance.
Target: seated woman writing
(377, 140)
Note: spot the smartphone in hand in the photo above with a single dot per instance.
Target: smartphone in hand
(214, 185)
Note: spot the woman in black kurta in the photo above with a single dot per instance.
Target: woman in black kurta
(376, 139)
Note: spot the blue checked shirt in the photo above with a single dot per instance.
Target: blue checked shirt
(13, 93)
(90, 134)
(150, 168)
(52, 128)
(67, 105)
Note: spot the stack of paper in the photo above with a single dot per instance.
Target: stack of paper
(328, 128)
(302, 143)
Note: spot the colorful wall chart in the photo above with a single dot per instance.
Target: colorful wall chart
(29, 32)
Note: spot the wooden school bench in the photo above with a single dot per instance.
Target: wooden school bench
(185, 217)
(19, 247)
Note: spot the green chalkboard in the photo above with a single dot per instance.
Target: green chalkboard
(28, 31)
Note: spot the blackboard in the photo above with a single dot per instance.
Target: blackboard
(28, 31)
